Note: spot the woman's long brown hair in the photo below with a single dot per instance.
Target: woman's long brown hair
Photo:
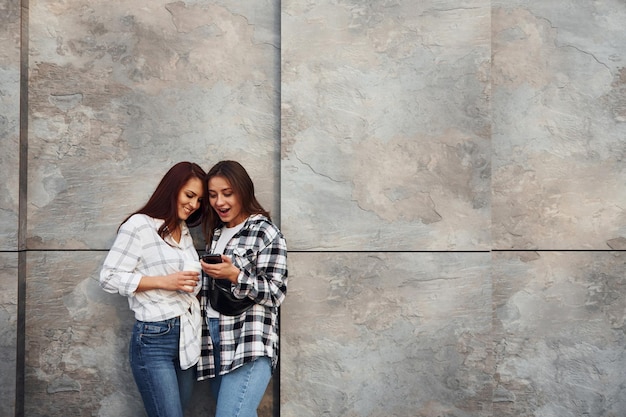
(163, 204)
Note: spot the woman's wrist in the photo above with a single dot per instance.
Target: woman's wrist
(234, 276)
(155, 282)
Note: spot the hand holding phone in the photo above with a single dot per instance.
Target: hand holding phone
(211, 258)
(218, 268)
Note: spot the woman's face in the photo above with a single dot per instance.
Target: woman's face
(225, 202)
(189, 198)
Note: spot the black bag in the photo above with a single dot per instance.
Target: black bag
(223, 301)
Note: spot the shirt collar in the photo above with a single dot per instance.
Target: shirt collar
(168, 238)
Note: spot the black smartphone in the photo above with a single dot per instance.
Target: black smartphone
(212, 258)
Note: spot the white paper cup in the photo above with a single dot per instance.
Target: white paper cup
(193, 266)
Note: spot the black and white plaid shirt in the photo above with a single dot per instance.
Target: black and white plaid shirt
(259, 250)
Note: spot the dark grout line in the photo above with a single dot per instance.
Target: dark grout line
(350, 251)
(558, 250)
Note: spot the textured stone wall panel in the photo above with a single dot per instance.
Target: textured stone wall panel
(9, 122)
(559, 116)
(385, 125)
(9, 199)
(76, 340)
(8, 331)
(120, 91)
(559, 333)
(367, 335)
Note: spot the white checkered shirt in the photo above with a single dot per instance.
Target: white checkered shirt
(139, 251)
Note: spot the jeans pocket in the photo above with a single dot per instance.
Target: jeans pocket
(152, 331)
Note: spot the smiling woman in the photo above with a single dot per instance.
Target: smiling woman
(149, 264)
(189, 200)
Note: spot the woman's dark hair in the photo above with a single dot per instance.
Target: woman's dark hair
(242, 187)
(163, 204)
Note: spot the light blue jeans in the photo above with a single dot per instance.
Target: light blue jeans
(164, 387)
(239, 392)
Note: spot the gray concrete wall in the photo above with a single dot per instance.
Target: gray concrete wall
(449, 176)
(9, 199)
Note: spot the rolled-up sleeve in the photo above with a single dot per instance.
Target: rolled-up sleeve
(119, 271)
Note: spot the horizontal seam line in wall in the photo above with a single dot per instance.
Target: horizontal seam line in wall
(558, 250)
(54, 250)
(388, 251)
(356, 251)
(385, 251)
(457, 251)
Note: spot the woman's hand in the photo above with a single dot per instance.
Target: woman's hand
(223, 270)
(178, 281)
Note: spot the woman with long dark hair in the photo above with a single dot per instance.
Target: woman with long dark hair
(240, 348)
(149, 263)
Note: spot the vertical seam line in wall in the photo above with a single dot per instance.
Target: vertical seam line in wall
(276, 379)
(20, 345)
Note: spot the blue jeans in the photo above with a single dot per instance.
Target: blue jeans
(239, 392)
(164, 387)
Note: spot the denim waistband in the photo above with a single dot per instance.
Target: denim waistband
(174, 321)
